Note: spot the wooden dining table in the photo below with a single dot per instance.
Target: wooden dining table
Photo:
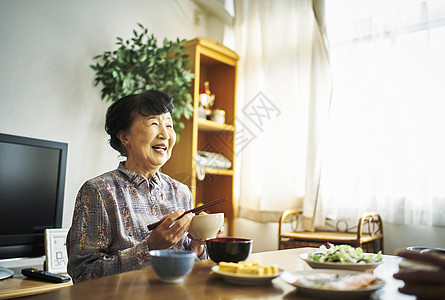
(203, 283)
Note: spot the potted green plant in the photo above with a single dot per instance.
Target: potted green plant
(139, 64)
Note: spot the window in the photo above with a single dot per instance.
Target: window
(385, 147)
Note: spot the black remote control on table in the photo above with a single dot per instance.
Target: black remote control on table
(44, 275)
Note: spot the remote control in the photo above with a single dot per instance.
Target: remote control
(44, 275)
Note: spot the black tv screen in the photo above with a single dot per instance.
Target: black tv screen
(32, 181)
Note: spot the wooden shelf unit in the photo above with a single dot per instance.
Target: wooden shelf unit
(207, 125)
(216, 64)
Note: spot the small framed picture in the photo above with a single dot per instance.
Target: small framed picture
(55, 249)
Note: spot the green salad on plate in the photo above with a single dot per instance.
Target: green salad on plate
(344, 254)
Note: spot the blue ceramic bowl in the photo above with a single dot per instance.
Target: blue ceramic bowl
(172, 265)
(228, 249)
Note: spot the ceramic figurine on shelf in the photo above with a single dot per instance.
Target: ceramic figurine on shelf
(206, 99)
(209, 93)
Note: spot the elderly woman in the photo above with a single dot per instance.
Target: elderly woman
(109, 229)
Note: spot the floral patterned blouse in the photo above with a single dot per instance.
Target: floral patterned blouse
(109, 228)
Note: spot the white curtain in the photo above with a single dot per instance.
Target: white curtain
(280, 68)
(386, 141)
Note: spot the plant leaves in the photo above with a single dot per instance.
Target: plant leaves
(139, 64)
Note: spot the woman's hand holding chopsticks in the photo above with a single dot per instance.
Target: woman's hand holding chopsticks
(170, 230)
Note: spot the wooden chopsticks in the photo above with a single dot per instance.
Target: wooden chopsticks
(195, 210)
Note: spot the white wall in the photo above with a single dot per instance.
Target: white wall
(400, 236)
(46, 85)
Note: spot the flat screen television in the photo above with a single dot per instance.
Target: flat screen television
(32, 185)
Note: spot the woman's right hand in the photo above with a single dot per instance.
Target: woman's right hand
(168, 234)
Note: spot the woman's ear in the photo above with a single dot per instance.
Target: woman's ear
(122, 136)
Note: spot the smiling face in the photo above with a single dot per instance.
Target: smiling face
(149, 143)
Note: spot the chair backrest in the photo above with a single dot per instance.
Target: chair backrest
(283, 217)
(374, 224)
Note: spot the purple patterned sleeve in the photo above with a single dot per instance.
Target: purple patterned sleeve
(90, 256)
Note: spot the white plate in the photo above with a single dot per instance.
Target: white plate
(245, 279)
(333, 265)
(292, 277)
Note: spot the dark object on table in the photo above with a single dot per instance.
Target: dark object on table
(229, 249)
(44, 275)
(424, 275)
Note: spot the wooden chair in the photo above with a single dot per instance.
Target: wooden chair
(369, 235)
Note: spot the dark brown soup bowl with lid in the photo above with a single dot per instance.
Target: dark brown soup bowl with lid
(228, 249)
